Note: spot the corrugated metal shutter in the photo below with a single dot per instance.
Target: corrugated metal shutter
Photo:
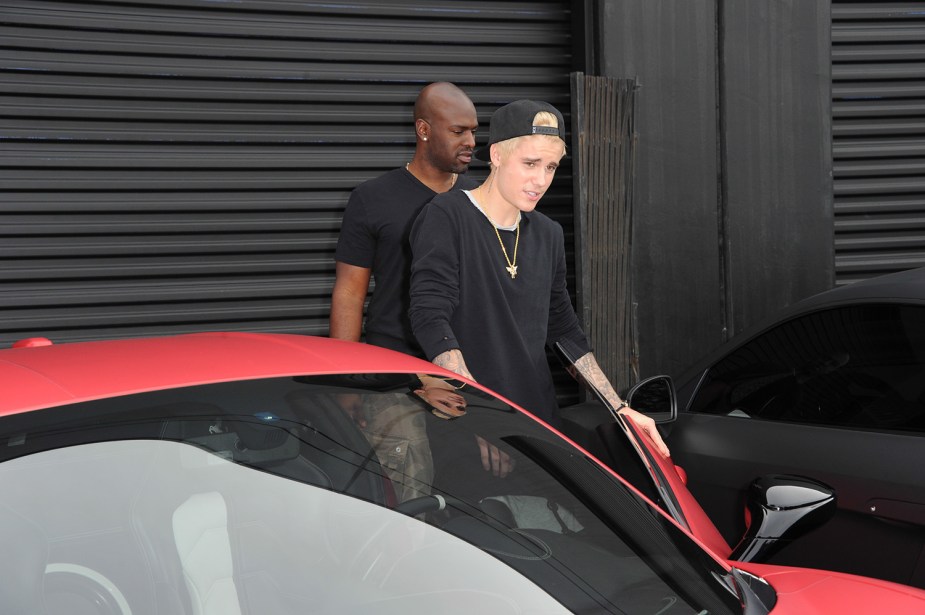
(604, 124)
(183, 165)
(878, 125)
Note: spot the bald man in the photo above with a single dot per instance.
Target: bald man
(373, 240)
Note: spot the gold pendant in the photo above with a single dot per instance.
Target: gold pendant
(512, 270)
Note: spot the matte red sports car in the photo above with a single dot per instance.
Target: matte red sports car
(273, 474)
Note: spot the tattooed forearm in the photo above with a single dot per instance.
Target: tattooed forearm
(592, 372)
(453, 361)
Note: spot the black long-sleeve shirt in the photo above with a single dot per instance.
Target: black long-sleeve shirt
(463, 297)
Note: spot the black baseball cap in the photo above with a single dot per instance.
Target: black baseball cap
(516, 120)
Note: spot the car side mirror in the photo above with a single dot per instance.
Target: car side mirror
(655, 397)
(782, 507)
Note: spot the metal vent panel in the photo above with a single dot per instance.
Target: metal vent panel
(183, 165)
(878, 126)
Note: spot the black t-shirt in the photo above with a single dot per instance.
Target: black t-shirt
(463, 297)
(374, 235)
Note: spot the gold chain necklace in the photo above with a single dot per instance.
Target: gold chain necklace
(452, 181)
(511, 264)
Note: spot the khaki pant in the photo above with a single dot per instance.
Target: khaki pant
(395, 426)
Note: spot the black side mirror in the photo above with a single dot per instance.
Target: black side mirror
(655, 397)
(782, 508)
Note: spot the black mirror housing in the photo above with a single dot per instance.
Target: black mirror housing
(655, 397)
(782, 507)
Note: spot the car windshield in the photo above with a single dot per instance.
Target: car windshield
(328, 494)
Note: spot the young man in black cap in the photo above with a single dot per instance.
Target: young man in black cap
(488, 275)
(373, 240)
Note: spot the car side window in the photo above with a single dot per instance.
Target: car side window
(860, 367)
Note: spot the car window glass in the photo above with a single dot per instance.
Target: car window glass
(860, 367)
(296, 549)
(336, 493)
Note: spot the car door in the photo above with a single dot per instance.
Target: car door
(837, 395)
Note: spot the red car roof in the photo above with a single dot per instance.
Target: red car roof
(44, 376)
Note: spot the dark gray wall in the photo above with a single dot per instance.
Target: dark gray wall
(733, 211)
(776, 130)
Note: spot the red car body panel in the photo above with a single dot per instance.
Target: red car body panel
(33, 378)
(801, 590)
(45, 376)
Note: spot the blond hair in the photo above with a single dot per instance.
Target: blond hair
(542, 118)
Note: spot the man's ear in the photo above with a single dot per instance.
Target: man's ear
(495, 155)
(421, 128)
